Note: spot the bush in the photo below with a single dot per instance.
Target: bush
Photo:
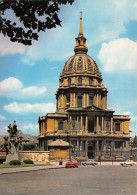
(2, 159)
(28, 161)
(29, 146)
(15, 162)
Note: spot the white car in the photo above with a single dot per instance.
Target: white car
(89, 162)
(128, 163)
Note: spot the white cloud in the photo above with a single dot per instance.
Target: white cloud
(2, 117)
(98, 26)
(25, 108)
(8, 47)
(30, 128)
(120, 54)
(13, 88)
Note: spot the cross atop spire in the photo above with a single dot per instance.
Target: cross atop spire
(80, 30)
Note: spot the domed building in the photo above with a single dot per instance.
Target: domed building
(82, 118)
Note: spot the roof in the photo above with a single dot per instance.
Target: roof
(59, 142)
(25, 137)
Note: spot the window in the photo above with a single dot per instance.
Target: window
(79, 42)
(118, 144)
(90, 100)
(90, 81)
(60, 125)
(68, 98)
(79, 81)
(79, 101)
(117, 127)
(69, 82)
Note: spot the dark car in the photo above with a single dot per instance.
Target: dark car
(71, 163)
(89, 162)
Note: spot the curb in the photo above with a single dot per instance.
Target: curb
(10, 171)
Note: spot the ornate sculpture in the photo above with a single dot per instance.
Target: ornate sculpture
(13, 143)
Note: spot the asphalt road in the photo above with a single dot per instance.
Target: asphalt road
(88, 180)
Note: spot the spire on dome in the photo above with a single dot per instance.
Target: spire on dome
(80, 40)
(80, 30)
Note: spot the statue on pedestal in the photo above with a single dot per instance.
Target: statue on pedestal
(13, 143)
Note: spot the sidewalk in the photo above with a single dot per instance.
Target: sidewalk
(26, 169)
(55, 166)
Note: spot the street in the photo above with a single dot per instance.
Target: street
(85, 180)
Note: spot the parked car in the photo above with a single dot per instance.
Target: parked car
(128, 163)
(71, 163)
(89, 162)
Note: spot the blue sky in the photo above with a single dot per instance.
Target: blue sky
(29, 75)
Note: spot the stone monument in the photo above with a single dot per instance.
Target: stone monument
(13, 143)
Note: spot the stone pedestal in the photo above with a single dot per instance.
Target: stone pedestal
(14, 156)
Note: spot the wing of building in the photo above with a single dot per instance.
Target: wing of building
(82, 117)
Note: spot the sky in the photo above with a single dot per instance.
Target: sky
(29, 74)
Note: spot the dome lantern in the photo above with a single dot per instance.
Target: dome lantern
(80, 47)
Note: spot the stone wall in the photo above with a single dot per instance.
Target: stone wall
(36, 156)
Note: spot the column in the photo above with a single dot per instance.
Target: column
(102, 123)
(80, 144)
(78, 149)
(111, 125)
(97, 148)
(77, 124)
(70, 120)
(86, 147)
(97, 123)
(81, 122)
(74, 99)
(84, 100)
(86, 123)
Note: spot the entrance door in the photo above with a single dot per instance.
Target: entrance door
(91, 124)
(90, 152)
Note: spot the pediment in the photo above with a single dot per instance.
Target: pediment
(93, 108)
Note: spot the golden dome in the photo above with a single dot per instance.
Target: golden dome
(81, 64)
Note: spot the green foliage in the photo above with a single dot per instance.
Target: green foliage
(34, 16)
(2, 159)
(30, 146)
(15, 162)
(4, 146)
(135, 141)
(28, 161)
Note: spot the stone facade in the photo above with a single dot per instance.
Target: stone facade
(35, 156)
(82, 117)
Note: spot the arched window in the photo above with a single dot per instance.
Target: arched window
(80, 81)
(90, 81)
(69, 82)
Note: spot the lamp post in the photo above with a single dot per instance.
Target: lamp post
(68, 138)
(131, 144)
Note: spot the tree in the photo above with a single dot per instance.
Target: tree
(29, 146)
(5, 145)
(135, 141)
(31, 15)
